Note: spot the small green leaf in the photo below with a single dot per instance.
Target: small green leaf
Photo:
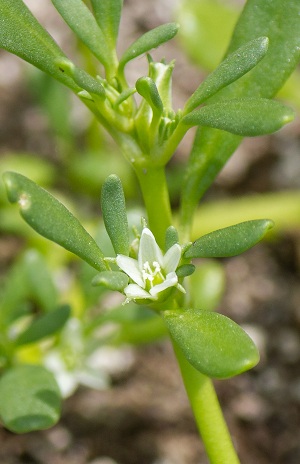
(248, 117)
(232, 68)
(113, 280)
(114, 214)
(21, 34)
(29, 399)
(50, 218)
(44, 326)
(230, 241)
(171, 237)
(185, 270)
(148, 41)
(146, 87)
(211, 342)
(108, 14)
(79, 18)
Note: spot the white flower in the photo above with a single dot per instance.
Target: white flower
(152, 272)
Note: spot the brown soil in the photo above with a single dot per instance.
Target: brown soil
(145, 417)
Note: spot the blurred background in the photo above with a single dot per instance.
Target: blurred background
(136, 411)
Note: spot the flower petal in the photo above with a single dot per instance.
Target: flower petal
(170, 281)
(131, 268)
(134, 292)
(149, 251)
(171, 258)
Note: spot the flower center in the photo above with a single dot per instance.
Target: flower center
(152, 274)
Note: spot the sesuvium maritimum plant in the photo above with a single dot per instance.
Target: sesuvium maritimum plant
(153, 270)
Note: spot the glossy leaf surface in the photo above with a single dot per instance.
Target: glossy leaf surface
(114, 214)
(246, 116)
(230, 241)
(212, 343)
(52, 219)
(30, 399)
(148, 41)
(232, 68)
(21, 34)
(45, 326)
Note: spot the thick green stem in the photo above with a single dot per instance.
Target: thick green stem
(156, 197)
(208, 413)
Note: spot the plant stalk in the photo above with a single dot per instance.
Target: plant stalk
(156, 198)
(208, 414)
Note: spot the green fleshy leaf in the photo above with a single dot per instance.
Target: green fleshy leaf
(82, 22)
(171, 237)
(248, 117)
(146, 87)
(21, 34)
(212, 343)
(148, 41)
(232, 68)
(114, 214)
(185, 270)
(51, 219)
(29, 399)
(45, 326)
(108, 14)
(230, 241)
(113, 280)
